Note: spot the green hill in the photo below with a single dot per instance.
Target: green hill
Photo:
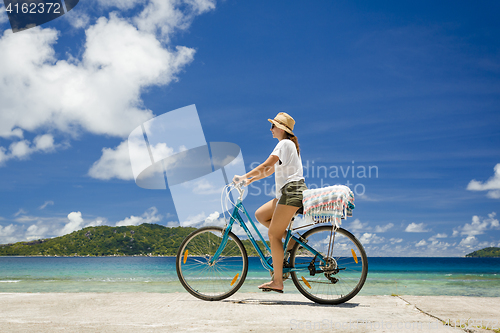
(145, 239)
(489, 252)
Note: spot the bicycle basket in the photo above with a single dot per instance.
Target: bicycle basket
(328, 204)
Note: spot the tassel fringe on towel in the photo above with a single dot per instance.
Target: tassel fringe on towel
(328, 204)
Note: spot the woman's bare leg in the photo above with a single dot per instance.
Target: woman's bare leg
(265, 212)
(279, 222)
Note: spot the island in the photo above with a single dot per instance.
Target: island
(143, 240)
(488, 252)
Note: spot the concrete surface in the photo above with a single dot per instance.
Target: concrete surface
(243, 312)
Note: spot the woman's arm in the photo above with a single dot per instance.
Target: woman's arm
(262, 171)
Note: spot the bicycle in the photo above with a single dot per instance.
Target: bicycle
(328, 265)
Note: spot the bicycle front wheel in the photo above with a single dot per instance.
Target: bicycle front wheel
(211, 281)
(340, 276)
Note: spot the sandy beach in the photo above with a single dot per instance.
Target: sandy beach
(243, 312)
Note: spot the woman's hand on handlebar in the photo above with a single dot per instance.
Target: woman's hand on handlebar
(240, 180)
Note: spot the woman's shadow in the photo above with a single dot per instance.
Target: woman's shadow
(284, 302)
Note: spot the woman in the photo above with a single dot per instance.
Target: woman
(276, 214)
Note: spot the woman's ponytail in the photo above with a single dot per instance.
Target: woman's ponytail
(294, 139)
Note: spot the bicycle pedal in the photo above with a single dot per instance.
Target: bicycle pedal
(272, 289)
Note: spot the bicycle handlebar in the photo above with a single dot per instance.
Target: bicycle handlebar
(239, 187)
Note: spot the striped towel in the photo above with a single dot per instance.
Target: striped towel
(328, 204)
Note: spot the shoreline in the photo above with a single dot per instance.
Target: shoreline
(174, 256)
(242, 312)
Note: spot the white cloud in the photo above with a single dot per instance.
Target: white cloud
(203, 186)
(36, 232)
(172, 224)
(434, 248)
(114, 163)
(3, 156)
(493, 221)
(421, 243)
(161, 150)
(149, 216)
(384, 228)
(165, 17)
(100, 92)
(416, 227)
(76, 222)
(26, 219)
(3, 15)
(468, 242)
(493, 194)
(437, 236)
(20, 212)
(484, 244)
(34, 227)
(356, 225)
(439, 246)
(201, 6)
(6, 234)
(95, 223)
(475, 228)
(478, 226)
(215, 219)
(22, 149)
(492, 184)
(121, 4)
(395, 240)
(218, 220)
(7, 231)
(370, 238)
(77, 19)
(212, 217)
(44, 143)
(194, 219)
(46, 203)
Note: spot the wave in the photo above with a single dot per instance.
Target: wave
(10, 281)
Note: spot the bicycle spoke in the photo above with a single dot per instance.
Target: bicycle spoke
(216, 280)
(338, 277)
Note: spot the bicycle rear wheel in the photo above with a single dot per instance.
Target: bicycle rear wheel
(344, 273)
(216, 281)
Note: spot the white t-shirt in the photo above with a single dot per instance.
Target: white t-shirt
(290, 168)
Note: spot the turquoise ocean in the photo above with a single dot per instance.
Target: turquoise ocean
(386, 276)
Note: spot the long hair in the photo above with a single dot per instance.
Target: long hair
(294, 139)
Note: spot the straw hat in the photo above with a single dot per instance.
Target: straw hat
(283, 121)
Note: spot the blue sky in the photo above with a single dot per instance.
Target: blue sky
(409, 89)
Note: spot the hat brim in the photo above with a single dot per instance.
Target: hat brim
(280, 126)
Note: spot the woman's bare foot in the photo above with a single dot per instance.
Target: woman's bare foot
(264, 285)
(271, 285)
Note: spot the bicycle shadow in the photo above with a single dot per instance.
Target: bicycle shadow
(254, 301)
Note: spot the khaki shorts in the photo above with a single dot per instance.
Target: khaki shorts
(291, 193)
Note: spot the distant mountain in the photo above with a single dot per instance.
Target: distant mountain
(145, 239)
(489, 252)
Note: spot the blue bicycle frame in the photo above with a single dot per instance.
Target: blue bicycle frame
(236, 217)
